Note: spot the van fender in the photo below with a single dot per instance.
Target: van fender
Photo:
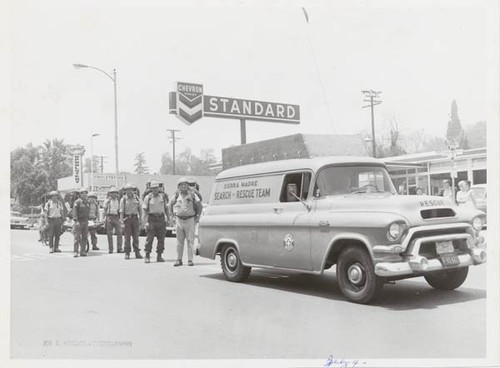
(339, 240)
(221, 243)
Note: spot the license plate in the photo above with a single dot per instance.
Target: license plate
(444, 247)
(449, 260)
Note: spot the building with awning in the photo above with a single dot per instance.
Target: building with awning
(427, 170)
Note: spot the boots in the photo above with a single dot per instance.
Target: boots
(159, 258)
(127, 255)
(138, 255)
(146, 259)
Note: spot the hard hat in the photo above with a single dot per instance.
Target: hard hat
(53, 193)
(83, 190)
(129, 186)
(182, 180)
(154, 184)
(113, 190)
(92, 194)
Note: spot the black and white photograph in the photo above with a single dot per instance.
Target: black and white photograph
(237, 183)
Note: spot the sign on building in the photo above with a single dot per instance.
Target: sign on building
(77, 152)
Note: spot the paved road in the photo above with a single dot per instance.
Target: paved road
(102, 306)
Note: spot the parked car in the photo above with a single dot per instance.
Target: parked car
(307, 215)
(480, 195)
(479, 192)
(18, 221)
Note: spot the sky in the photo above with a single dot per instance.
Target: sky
(420, 55)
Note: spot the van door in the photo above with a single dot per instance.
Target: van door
(290, 235)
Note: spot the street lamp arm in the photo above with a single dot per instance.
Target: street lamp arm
(77, 66)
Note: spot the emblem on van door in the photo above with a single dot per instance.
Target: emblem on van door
(288, 242)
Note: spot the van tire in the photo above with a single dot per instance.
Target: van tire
(356, 276)
(231, 265)
(448, 279)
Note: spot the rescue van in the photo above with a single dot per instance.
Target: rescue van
(308, 215)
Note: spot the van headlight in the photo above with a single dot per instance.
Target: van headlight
(477, 223)
(395, 231)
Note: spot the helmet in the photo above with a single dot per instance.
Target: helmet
(129, 186)
(154, 184)
(83, 190)
(53, 193)
(182, 180)
(92, 195)
(113, 190)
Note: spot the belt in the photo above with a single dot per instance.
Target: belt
(156, 214)
(111, 214)
(185, 217)
(131, 215)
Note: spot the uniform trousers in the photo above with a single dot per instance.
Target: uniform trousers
(81, 232)
(157, 227)
(54, 231)
(113, 222)
(185, 232)
(131, 229)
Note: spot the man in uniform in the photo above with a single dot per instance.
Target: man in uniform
(81, 210)
(186, 207)
(54, 212)
(93, 216)
(111, 213)
(155, 209)
(130, 216)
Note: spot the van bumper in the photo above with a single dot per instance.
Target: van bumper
(418, 265)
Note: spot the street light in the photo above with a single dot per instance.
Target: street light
(92, 160)
(113, 78)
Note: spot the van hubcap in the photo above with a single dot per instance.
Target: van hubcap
(355, 273)
(232, 260)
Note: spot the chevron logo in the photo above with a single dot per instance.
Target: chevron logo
(189, 102)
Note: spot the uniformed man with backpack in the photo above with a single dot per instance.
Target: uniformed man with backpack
(81, 211)
(112, 220)
(54, 213)
(186, 207)
(130, 216)
(156, 215)
(93, 216)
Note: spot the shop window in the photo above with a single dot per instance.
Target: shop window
(479, 177)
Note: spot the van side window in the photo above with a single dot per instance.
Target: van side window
(297, 183)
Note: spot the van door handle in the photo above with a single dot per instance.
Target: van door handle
(277, 210)
(323, 223)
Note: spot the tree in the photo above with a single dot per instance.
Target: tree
(476, 135)
(454, 132)
(188, 164)
(56, 160)
(394, 148)
(96, 165)
(167, 164)
(140, 164)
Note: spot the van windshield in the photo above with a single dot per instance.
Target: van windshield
(342, 180)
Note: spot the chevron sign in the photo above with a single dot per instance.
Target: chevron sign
(188, 102)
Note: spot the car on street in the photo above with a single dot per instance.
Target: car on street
(480, 195)
(18, 221)
(308, 215)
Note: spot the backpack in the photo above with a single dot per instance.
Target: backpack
(148, 199)
(193, 193)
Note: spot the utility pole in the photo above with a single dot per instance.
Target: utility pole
(372, 97)
(173, 139)
(102, 160)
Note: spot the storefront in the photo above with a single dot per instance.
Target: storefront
(428, 170)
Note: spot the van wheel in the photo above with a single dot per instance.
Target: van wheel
(356, 277)
(231, 265)
(447, 280)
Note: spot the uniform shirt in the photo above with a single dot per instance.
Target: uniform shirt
(54, 209)
(130, 206)
(111, 206)
(81, 209)
(155, 204)
(185, 204)
(94, 211)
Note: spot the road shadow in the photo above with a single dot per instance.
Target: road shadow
(402, 296)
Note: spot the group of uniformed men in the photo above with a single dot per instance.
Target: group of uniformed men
(155, 211)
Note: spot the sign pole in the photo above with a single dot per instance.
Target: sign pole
(243, 130)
